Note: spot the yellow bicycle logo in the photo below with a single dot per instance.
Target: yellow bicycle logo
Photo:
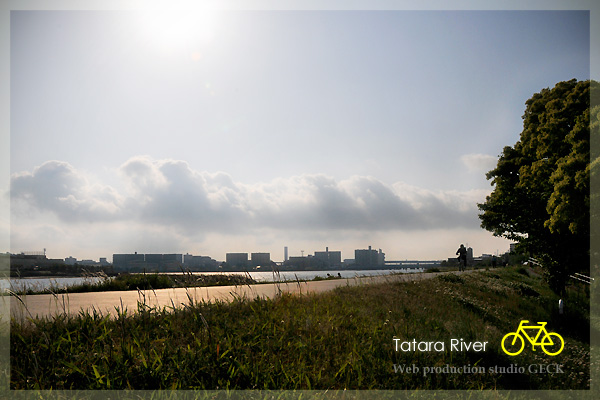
(513, 343)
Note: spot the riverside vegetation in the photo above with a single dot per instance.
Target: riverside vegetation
(149, 281)
(337, 340)
(145, 281)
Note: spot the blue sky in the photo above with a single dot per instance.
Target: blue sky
(210, 132)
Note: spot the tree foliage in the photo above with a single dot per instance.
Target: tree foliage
(541, 197)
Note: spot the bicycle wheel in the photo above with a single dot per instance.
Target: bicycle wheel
(513, 343)
(552, 344)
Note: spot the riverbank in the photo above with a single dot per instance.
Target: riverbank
(109, 303)
(99, 282)
(336, 340)
(150, 281)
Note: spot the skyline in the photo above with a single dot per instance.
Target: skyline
(248, 253)
(266, 128)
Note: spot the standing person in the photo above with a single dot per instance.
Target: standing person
(462, 257)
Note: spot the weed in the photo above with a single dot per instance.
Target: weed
(332, 341)
(451, 278)
(153, 281)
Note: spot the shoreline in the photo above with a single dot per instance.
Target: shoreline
(130, 281)
(49, 305)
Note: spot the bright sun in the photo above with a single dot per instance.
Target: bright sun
(178, 29)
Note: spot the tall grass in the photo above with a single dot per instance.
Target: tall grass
(332, 341)
(143, 281)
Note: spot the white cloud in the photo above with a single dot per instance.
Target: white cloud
(479, 162)
(170, 193)
(58, 187)
(167, 206)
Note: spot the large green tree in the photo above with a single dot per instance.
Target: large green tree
(541, 196)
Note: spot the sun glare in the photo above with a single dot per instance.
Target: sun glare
(178, 29)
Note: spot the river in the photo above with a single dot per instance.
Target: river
(39, 284)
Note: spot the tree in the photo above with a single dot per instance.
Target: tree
(541, 197)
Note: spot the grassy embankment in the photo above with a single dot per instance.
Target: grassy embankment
(149, 281)
(142, 282)
(337, 340)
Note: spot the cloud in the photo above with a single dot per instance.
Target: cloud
(58, 187)
(171, 194)
(479, 162)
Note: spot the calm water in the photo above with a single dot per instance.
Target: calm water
(44, 283)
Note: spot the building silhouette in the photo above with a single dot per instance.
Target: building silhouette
(128, 262)
(237, 259)
(330, 259)
(369, 258)
(260, 259)
(199, 263)
(147, 262)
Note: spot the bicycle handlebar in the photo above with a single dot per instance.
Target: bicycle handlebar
(541, 324)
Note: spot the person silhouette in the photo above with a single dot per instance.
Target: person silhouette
(462, 257)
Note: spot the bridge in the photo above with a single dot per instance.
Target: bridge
(413, 264)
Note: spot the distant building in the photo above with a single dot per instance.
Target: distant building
(196, 263)
(153, 260)
(33, 263)
(369, 258)
(127, 262)
(88, 262)
(303, 263)
(70, 260)
(331, 259)
(150, 262)
(237, 259)
(260, 259)
(164, 262)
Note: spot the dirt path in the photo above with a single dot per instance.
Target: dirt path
(106, 302)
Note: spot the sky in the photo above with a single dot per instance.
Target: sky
(208, 132)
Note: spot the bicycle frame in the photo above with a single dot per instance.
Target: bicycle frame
(550, 342)
(540, 328)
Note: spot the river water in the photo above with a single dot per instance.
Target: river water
(262, 276)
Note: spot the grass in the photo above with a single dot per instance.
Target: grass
(333, 341)
(100, 282)
(148, 281)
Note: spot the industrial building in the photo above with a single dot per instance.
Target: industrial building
(236, 259)
(260, 259)
(331, 259)
(199, 263)
(369, 258)
(128, 262)
(147, 262)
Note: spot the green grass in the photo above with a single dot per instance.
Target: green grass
(333, 341)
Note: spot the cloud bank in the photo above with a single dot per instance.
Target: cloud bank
(171, 193)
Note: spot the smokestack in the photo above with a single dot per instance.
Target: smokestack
(285, 253)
